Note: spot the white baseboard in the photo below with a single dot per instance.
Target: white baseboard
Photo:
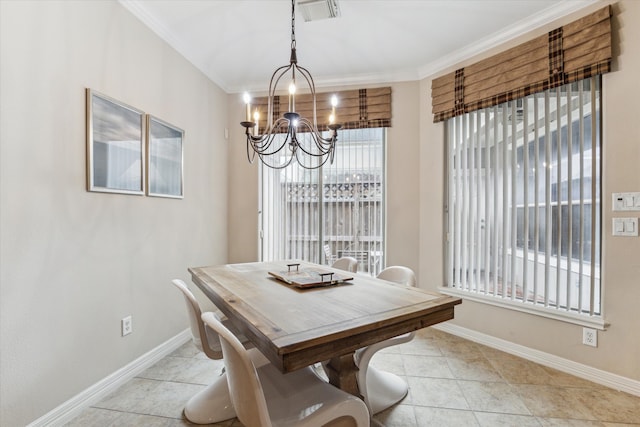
(599, 376)
(74, 406)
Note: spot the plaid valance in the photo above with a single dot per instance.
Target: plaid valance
(573, 52)
(357, 109)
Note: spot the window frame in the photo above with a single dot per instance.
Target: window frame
(557, 312)
(271, 205)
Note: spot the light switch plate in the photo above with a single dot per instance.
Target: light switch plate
(625, 227)
(626, 201)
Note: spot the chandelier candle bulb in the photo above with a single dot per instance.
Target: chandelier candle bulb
(256, 118)
(247, 101)
(292, 97)
(334, 103)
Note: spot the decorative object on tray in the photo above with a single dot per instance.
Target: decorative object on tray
(310, 277)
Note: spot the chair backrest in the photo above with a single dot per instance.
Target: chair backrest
(399, 274)
(327, 251)
(244, 384)
(346, 263)
(204, 338)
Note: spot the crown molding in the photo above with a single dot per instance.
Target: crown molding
(559, 10)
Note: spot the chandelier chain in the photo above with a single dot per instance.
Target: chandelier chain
(293, 25)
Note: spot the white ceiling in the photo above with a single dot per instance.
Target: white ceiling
(239, 43)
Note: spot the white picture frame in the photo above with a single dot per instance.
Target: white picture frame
(165, 159)
(115, 146)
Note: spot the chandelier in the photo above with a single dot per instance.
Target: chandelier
(290, 136)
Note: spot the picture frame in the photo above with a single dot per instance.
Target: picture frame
(115, 146)
(165, 159)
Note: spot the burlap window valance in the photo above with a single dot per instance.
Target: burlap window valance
(572, 52)
(357, 109)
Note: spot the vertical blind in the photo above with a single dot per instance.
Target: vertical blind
(524, 200)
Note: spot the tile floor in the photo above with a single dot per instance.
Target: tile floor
(452, 382)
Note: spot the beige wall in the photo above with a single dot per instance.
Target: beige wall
(619, 347)
(402, 186)
(73, 263)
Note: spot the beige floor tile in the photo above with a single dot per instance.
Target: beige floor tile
(430, 417)
(435, 392)
(489, 419)
(137, 420)
(473, 367)
(170, 398)
(426, 366)
(184, 422)
(95, 417)
(131, 396)
(458, 348)
(151, 397)
(187, 350)
(520, 371)
(492, 353)
(554, 402)
(420, 347)
(492, 397)
(610, 405)
(566, 380)
(397, 416)
(187, 370)
(563, 422)
(390, 362)
(619, 425)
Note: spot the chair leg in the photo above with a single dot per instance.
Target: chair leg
(211, 405)
(384, 389)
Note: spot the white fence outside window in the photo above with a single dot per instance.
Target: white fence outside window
(338, 210)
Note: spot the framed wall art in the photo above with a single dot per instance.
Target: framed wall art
(164, 159)
(115, 146)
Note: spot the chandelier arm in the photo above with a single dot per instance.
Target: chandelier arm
(319, 165)
(312, 87)
(274, 166)
(258, 140)
(264, 150)
(319, 140)
(280, 71)
(251, 153)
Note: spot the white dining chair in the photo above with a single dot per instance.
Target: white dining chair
(212, 404)
(381, 389)
(265, 397)
(346, 263)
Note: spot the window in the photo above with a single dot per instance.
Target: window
(338, 210)
(524, 210)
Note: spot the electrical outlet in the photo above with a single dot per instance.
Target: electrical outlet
(590, 337)
(127, 326)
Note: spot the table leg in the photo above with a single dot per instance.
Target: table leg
(342, 371)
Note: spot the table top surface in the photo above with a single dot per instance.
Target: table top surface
(294, 326)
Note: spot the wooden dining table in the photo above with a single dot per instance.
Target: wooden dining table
(295, 328)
